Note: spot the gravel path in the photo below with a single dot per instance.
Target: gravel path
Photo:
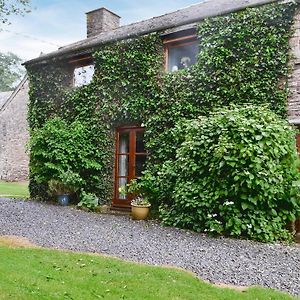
(218, 260)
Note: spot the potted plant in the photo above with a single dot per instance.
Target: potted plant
(140, 205)
(64, 185)
(140, 208)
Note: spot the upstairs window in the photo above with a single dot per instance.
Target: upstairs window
(83, 75)
(83, 70)
(180, 53)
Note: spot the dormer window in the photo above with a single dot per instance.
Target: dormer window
(180, 53)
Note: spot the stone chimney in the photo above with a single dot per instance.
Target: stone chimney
(101, 20)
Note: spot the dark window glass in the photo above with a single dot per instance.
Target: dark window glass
(140, 147)
(140, 161)
(181, 56)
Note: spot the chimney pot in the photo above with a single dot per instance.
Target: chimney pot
(101, 20)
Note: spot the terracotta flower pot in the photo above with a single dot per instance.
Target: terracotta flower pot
(139, 212)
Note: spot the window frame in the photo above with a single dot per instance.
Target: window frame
(175, 43)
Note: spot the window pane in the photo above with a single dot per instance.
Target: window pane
(182, 56)
(140, 165)
(122, 182)
(83, 75)
(140, 147)
(123, 165)
(124, 142)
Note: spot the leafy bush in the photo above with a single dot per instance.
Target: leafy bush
(67, 183)
(235, 173)
(88, 200)
(64, 152)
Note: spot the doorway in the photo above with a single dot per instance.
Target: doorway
(129, 162)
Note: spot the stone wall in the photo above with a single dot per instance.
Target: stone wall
(294, 80)
(14, 135)
(294, 87)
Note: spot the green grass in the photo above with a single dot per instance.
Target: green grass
(49, 274)
(14, 190)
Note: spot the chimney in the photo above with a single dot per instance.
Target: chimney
(101, 20)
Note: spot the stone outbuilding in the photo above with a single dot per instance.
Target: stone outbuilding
(14, 133)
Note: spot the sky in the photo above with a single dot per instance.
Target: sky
(56, 23)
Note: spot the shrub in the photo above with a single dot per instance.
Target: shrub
(67, 183)
(88, 200)
(235, 173)
(65, 152)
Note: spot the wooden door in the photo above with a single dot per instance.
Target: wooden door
(130, 161)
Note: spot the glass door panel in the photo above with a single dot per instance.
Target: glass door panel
(121, 183)
(140, 145)
(124, 138)
(123, 166)
(140, 161)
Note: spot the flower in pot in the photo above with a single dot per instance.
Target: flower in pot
(140, 207)
(66, 184)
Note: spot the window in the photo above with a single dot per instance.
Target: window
(83, 75)
(181, 53)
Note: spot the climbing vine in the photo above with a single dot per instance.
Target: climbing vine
(243, 58)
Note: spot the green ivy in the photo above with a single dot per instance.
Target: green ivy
(243, 59)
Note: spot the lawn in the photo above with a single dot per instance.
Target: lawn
(50, 274)
(14, 190)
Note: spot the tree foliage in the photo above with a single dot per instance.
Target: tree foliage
(10, 71)
(13, 7)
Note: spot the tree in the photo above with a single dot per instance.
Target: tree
(13, 7)
(10, 71)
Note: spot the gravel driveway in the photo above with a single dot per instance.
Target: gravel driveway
(218, 260)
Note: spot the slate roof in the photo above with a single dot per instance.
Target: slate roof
(188, 15)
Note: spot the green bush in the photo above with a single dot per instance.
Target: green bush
(88, 200)
(64, 152)
(235, 173)
(67, 183)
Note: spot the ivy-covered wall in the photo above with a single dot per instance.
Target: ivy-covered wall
(243, 59)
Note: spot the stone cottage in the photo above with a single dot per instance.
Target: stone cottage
(72, 68)
(14, 133)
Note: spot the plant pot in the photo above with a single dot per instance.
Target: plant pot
(63, 199)
(139, 212)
